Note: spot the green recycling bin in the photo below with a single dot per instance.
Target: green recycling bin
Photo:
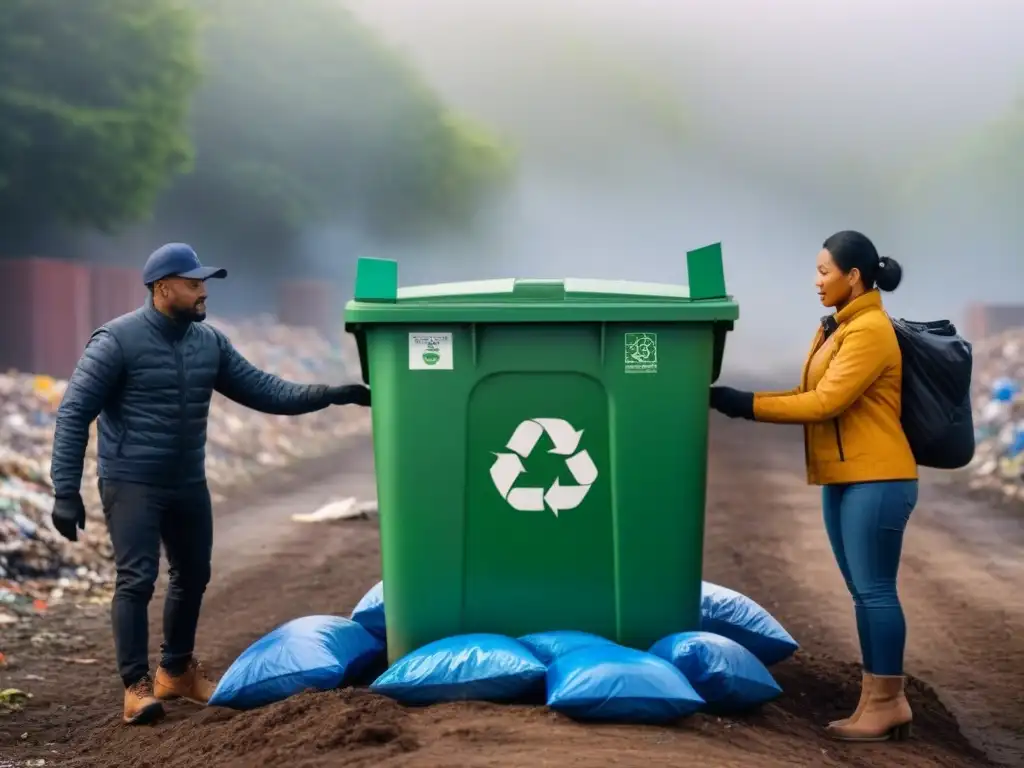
(541, 450)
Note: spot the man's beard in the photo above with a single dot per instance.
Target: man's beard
(189, 315)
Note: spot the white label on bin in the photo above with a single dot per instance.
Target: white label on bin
(430, 352)
(641, 352)
(508, 467)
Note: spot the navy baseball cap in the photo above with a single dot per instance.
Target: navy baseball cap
(177, 260)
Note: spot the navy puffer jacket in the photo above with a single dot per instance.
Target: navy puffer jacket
(150, 380)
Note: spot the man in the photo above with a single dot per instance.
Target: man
(149, 376)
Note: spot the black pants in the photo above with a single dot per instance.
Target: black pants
(139, 517)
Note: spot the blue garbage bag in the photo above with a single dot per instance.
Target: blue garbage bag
(737, 617)
(318, 652)
(1016, 446)
(369, 612)
(1004, 389)
(548, 646)
(477, 667)
(725, 674)
(610, 683)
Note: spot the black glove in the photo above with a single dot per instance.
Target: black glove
(349, 394)
(734, 403)
(68, 515)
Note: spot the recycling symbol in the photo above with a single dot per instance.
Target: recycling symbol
(642, 348)
(508, 467)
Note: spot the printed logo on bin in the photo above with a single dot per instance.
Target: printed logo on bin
(508, 467)
(641, 352)
(430, 352)
(432, 348)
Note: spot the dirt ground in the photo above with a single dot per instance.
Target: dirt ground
(962, 582)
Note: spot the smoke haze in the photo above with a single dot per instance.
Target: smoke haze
(647, 128)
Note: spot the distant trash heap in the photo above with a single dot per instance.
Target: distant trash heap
(998, 395)
(38, 567)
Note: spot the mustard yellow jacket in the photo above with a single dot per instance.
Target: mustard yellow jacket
(849, 400)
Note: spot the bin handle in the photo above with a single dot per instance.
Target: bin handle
(705, 272)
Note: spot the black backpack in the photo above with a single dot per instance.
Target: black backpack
(936, 416)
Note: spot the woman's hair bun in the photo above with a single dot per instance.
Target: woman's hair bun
(889, 274)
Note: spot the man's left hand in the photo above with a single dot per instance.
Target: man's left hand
(349, 394)
(68, 515)
(734, 403)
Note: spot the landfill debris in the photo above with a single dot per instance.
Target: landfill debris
(39, 568)
(346, 509)
(11, 700)
(998, 398)
(335, 510)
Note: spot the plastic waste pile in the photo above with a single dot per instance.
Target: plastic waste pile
(721, 668)
(998, 396)
(38, 567)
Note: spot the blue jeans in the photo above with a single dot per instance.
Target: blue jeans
(865, 524)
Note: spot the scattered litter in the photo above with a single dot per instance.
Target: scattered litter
(60, 640)
(367, 508)
(335, 510)
(346, 509)
(998, 399)
(11, 700)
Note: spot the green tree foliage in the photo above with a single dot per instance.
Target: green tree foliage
(961, 198)
(305, 117)
(94, 97)
(575, 92)
(987, 163)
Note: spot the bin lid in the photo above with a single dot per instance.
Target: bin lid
(515, 300)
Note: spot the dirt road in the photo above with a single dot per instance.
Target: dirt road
(962, 583)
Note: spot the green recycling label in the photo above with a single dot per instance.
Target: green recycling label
(641, 352)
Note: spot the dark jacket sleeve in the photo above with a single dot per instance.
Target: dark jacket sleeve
(247, 385)
(96, 378)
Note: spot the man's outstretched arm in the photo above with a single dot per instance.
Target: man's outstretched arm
(247, 385)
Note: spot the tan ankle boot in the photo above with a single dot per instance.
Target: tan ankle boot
(865, 689)
(886, 714)
(140, 705)
(192, 685)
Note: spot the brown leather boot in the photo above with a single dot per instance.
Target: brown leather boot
(140, 705)
(865, 690)
(192, 685)
(886, 714)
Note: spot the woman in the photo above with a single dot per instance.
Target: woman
(849, 405)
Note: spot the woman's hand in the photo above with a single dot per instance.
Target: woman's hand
(734, 403)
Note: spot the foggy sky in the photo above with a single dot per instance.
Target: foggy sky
(647, 128)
